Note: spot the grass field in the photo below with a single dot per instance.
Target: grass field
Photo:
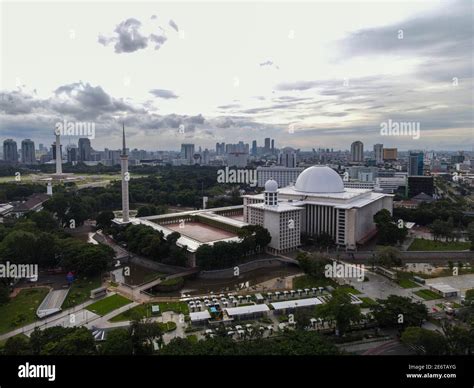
(21, 310)
(420, 244)
(80, 291)
(428, 294)
(109, 304)
(368, 302)
(407, 283)
(306, 281)
(350, 290)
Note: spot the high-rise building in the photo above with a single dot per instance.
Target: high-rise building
(28, 152)
(220, 148)
(58, 154)
(187, 153)
(415, 164)
(254, 147)
(125, 179)
(287, 157)
(85, 149)
(72, 153)
(357, 152)
(273, 146)
(10, 151)
(267, 144)
(378, 153)
(390, 154)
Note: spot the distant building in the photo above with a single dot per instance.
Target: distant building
(254, 147)
(390, 154)
(237, 159)
(357, 152)
(415, 164)
(187, 153)
(267, 144)
(10, 151)
(72, 153)
(420, 184)
(85, 150)
(378, 153)
(287, 157)
(28, 152)
(284, 176)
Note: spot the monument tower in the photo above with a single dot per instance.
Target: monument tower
(125, 179)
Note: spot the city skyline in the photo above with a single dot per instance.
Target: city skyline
(313, 77)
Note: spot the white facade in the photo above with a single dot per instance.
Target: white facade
(318, 203)
(284, 176)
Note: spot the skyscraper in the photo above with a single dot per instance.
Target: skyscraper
(378, 153)
(287, 157)
(415, 164)
(267, 144)
(125, 179)
(85, 149)
(273, 146)
(10, 151)
(28, 152)
(357, 152)
(254, 147)
(187, 153)
(72, 153)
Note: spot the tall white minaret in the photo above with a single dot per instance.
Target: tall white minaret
(59, 161)
(125, 179)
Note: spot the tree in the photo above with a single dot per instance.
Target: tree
(341, 310)
(143, 333)
(389, 257)
(60, 340)
(44, 220)
(424, 341)
(389, 233)
(470, 234)
(117, 342)
(104, 219)
(459, 341)
(17, 346)
(313, 265)
(399, 312)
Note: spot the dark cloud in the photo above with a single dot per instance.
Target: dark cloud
(128, 37)
(159, 40)
(442, 39)
(163, 93)
(173, 25)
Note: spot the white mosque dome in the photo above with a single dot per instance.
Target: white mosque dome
(271, 186)
(319, 179)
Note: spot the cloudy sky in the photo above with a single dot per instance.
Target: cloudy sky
(311, 74)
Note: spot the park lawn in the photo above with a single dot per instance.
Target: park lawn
(350, 290)
(80, 291)
(109, 304)
(21, 310)
(407, 283)
(420, 244)
(142, 311)
(307, 281)
(167, 326)
(177, 307)
(367, 302)
(428, 294)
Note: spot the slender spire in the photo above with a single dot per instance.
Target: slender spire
(124, 152)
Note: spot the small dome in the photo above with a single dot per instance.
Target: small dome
(271, 186)
(319, 179)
